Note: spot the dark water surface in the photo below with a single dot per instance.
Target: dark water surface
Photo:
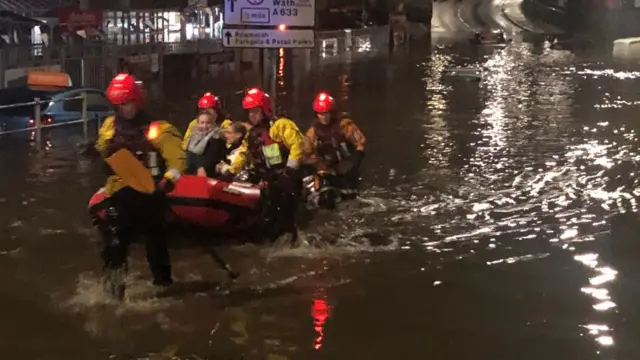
(495, 224)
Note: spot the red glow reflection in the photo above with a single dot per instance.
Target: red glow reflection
(321, 311)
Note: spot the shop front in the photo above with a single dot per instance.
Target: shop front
(143, 26)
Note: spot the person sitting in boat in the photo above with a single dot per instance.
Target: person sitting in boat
(335, 144)
(205, 146)
(234, 135)
(211, 104)
(272, 153)
(129, 213)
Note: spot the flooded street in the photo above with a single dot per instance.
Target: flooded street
(495, 223)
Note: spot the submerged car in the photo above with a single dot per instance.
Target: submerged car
(59, 102)
(489, 37)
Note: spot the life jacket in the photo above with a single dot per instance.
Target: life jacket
(264, 152)
(331, 144)
(232, 151)
(138, 140)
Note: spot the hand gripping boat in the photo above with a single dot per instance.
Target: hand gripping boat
(209, 203)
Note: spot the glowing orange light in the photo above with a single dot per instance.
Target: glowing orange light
(153, 132)
(282, 27)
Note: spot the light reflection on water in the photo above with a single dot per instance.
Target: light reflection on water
(537, 173)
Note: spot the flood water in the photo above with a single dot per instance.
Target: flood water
(497, 222)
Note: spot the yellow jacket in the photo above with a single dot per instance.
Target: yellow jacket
(282, 131)
(194, 123)
(348, 129)
(166, 141)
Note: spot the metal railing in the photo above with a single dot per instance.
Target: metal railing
(38, 126)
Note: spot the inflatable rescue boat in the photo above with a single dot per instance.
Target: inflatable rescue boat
(209, 203)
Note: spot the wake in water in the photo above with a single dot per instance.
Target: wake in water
(339, 235)
(344, 231)
(141, 295)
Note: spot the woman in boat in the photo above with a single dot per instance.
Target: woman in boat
(211, 104)
(234, 135)
(205, 147)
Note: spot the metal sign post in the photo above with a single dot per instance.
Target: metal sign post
(273, 80)
(264, 24)
(268, 72)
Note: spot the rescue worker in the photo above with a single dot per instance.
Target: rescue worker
(335, 144)
(129, 213)
(272, 153)
(211, 104)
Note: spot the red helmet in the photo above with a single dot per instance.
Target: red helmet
(257, 98)
(123, 89)
(323, 103)
(208, 101)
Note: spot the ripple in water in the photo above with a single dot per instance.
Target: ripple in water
(141, 295)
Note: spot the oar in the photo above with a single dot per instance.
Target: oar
(136, 176)
(131, 171)
(225, 265)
